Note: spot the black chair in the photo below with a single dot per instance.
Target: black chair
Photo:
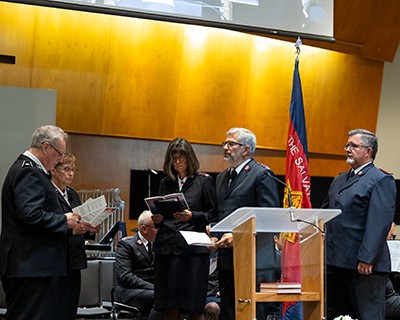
(90, 301)
(121, 310)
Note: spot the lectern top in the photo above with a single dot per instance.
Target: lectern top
(275, 219)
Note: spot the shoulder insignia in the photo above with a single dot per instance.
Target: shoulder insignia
(26, 163)
(127, 238)
(387, 172)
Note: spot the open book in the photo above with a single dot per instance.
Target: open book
(93, 211)
(167, 205)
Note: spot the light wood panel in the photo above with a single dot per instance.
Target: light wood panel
(135, 78)
(142, 78)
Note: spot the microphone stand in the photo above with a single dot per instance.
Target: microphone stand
(290, 200)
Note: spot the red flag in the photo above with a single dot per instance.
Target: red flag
(298, 179)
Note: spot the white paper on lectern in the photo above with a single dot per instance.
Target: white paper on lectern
(394, 248)
(197, 238)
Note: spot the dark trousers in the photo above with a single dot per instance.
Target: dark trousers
(359, 296)
(227, 291)
(31, 299)
(70, 292)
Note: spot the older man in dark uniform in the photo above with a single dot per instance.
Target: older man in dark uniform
(358, 258)
(246, 183)
(34, 230)
(134, 268)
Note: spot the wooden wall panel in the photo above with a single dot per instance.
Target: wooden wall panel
(135, 78)
(143, 78)
(17, 39)
(68, 57)
(213, 83)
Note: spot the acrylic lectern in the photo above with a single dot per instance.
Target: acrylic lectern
(245, 223)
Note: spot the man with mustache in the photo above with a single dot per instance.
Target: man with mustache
(358, 258)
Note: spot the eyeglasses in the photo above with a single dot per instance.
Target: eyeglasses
(151, 227)
(180, 158)
(67, 169)
(353, 146)
(231, 144)
(58, 151)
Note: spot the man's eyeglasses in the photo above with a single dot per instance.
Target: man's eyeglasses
(58, 151)
(231, 144)
(151, 227)
(353, 146)
(67, 169)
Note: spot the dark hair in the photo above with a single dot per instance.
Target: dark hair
(182, 146)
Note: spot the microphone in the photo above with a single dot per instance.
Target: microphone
(291, 208)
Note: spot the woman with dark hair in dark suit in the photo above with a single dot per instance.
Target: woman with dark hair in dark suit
(181, 271)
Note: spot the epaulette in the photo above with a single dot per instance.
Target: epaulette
(387, 172)
(127, 238)
(264, 166)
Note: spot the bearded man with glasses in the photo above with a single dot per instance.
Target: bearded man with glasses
(358, 258)
(246, 183)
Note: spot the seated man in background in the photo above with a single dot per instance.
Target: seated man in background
(134, 268)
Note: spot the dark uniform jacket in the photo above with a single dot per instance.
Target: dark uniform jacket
(199, 192)
(33, 241)
(367, 201)
(134, 268)
(76, 243)
(253, 187)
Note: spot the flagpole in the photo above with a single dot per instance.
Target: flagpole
(297, 45)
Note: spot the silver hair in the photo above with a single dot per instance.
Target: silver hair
(368, 139)
(245, 137)
(144, 218)
(48, 133)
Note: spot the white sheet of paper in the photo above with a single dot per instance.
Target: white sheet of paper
(197, 238)
(93, 211)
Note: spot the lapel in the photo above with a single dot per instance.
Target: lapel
(142, 248)
(349, 181)
(239, 179)
(61, 198)
(222, 184)
(187, 184)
